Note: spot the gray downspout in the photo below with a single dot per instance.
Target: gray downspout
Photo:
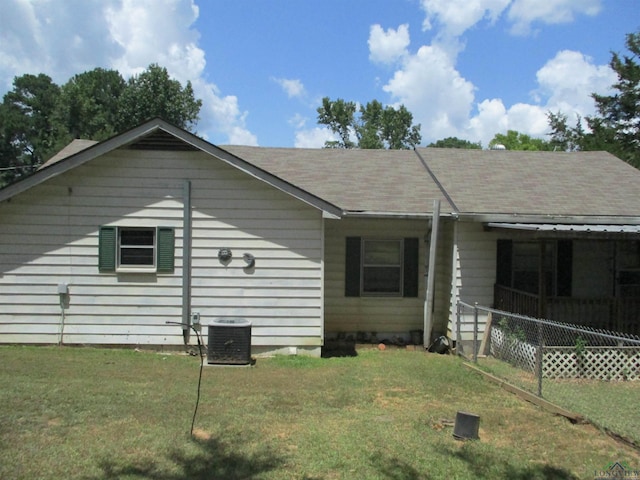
(186, 262)
(429, 300)
(431, 275)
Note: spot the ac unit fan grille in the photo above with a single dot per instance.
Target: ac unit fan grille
(229, 343)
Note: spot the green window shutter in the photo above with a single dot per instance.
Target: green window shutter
(410, 267)
(352, 267)
(165, 259)
(107, 243)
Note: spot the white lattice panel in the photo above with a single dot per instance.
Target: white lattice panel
(512, 350)
(597, 363)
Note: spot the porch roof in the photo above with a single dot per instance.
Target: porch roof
(563, 228)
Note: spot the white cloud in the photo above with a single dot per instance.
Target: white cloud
(292, 87)
(565, 84)
(313, 138)
(457, 16)
(570, 77)
(40, 36)
(388, 46)
(525, 12)
(454, 17)
(433, 90)
(298, 121)
(429, 84)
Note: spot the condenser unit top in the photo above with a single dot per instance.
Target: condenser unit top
(230, 322)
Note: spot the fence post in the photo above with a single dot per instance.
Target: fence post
(540, 357)
(459, 349)
(475, 332)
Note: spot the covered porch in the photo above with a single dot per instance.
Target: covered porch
(585, 275)
(608, 313)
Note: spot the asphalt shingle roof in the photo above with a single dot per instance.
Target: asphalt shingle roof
(355, 180)
(477, 181)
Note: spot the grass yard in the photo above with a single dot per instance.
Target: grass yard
(610, 405)
(85, 413)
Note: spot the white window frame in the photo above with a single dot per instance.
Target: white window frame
(133, 267)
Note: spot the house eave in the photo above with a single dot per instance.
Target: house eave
(393, 215)
(550, 219)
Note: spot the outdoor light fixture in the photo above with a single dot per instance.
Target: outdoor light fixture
(225, 255)
(249, 259)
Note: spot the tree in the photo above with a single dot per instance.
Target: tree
(616, 126)
(89, 104)
(37, 117)
(618, 118)
(339, 116)
(154, 94)
(514, 140)
(28, 131)
(455, 142)
(371, 126)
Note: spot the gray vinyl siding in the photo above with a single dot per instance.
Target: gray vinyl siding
(49, 235)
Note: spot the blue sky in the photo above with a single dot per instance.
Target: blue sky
(465, 68)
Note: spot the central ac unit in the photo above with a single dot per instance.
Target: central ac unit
(229, 342)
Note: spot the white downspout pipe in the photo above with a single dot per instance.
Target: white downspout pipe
(186, 262)
(431, 275)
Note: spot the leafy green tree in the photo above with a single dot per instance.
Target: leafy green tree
(618, 120)
(371, 126)
(339, 116)
(514, 140)
(28, 131)
(616, 126)
(89, 104)
(455, 142)
(154, 94)
(37, 117)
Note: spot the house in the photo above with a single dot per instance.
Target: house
(116, 242)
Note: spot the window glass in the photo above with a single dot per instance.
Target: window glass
(382, 267)
(137, 247)
(526, 265)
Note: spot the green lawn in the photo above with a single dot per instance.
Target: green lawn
(84, 413)
(610, 405)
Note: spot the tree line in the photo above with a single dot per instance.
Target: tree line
(615, 127)
(38, 117)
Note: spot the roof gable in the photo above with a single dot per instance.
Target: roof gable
(153, 135)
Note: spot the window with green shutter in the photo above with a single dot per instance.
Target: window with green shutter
(166, 248)
(107, 249)
(139, 249)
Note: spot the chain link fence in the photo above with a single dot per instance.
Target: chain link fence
(578, 368)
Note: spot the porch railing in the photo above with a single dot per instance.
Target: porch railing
(608, 313)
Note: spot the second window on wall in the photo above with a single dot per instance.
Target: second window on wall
(381, 267)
